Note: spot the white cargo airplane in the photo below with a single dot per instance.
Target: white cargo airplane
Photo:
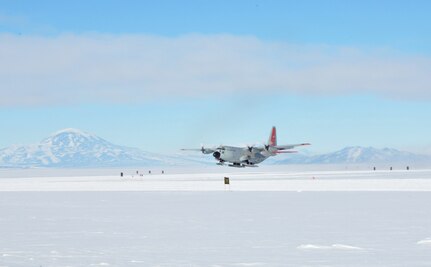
(248, 156)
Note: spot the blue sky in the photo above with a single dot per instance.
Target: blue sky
(170, 74)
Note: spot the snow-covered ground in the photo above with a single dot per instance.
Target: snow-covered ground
(240, 180)
(185, 218)
(215, 229)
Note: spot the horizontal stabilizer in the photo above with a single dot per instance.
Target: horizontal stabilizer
(283, 147)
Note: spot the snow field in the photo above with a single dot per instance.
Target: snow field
(264, 218)
(215, 229)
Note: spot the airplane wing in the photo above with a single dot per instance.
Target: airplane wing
(284, 147)
(202, 149)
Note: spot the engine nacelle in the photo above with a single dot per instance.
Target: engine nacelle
(217, 155)
(269, 151)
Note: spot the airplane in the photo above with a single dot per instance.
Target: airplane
(248, 156)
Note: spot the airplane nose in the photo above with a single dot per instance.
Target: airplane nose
(216, 155)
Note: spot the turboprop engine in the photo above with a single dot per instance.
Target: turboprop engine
(268, 151)
(217, 155)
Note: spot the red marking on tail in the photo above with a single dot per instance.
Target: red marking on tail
(273, 137)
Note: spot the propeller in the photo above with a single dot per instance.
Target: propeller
(268, 150)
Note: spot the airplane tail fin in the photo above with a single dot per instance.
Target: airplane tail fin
(273, 137)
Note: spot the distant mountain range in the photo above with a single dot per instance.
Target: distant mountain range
(357, 155)
(73, 148)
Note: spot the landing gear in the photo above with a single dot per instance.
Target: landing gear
(237, 165)
(221, 162)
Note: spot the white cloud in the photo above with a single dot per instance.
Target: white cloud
(71, 69)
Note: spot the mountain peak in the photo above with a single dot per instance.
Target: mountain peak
(73, 131)
(72, 138)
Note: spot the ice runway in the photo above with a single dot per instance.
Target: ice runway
(417, 180)
(278, 218)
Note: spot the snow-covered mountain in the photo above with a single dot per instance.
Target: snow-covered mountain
(76, 148)
(356, 155)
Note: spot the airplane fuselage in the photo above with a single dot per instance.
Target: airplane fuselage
(239, 155)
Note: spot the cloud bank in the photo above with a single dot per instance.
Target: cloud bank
(95, 68)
